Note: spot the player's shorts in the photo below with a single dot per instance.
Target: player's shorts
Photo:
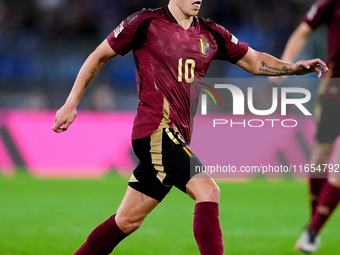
(327, 119)
(164, 161)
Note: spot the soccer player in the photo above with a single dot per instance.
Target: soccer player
(171, 47)
(324, 193)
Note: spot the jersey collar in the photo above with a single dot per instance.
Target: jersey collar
(171, 18)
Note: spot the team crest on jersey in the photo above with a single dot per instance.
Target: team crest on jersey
(204, 46)
(118, 29)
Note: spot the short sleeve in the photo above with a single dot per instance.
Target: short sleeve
(319, 13)
(121, 38)
(235, 49)
(229, 47)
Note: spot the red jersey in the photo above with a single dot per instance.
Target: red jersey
(328, 12)
(168, 58)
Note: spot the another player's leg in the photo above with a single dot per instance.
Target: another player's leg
(309, 241)
(329, 198)
(130, 215)
(207, 230)
(321, 153)
(142, 195)
(325, 195)
(325, 135)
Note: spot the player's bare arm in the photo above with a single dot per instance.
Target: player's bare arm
(259, 63)
(95, 61)
(296, 42)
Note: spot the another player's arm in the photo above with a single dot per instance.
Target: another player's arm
(259, 63)
(92, 65)
(296, 42)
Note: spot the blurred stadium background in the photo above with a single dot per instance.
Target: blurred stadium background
(42, 46)
(44, 42)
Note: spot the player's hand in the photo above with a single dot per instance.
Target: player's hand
(63, 118)
(309, 66)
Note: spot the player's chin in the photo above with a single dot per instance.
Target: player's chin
(193, 12)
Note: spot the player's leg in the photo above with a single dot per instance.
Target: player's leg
(329, 197)
(206, 226)
(130, 215)
(143, 194)
(326, 193)
(328, 129)
(133, 210)
(325, 135)
(321, 153)
(328, 200)
(179, 165)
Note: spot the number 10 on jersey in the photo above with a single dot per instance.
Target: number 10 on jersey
(189, 67)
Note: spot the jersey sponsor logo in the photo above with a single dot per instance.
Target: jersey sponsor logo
(234, 39)
(204, 46)
(118, 29)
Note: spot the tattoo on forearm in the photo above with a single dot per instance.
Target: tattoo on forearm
(273, 70)
(93, 73)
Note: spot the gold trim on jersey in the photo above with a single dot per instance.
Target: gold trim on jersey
(133, 178)
(156, 153)
(171, 136)
(166, 114)
(156, 141)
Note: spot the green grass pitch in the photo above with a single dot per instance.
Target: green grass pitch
(54, 216)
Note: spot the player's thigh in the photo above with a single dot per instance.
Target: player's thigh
(183, 169)
(165, 161)
(335, 181)
(334, 169)
(149, 176)
(133, 209)
(321, 152)
(202, 188)
(327, 121)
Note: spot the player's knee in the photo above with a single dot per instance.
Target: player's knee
(211, 194)
(129, 225)
(215, 193)
(323, 152)
(325, 155)
(335, 182)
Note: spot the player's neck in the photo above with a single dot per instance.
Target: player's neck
(181, 18)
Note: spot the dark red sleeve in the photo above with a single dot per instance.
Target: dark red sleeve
(320, 12)
(236, 49)
(229, 47)
(122, 38)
